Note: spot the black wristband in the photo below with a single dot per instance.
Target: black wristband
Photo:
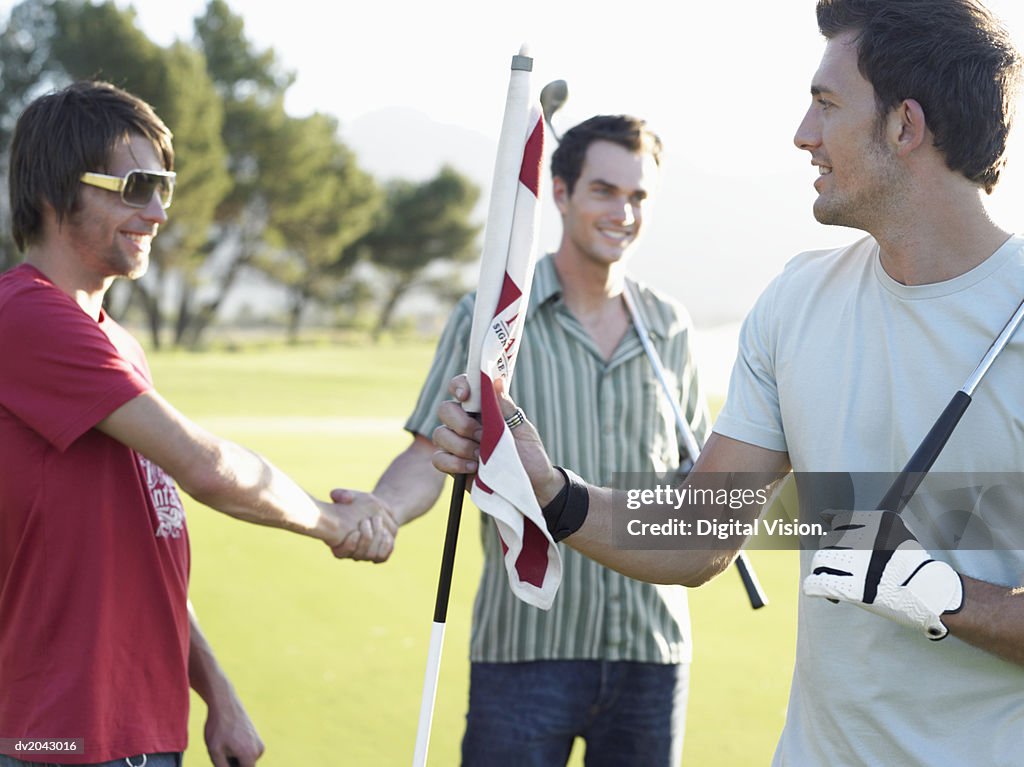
(567, 511)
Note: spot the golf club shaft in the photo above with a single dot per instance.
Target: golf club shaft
(994, 350)
(552, 97)
(751, 584)
(906, 483)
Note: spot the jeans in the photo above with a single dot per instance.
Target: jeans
(528, 714)
(151, 760)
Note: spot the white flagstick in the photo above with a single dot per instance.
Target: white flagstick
(444, 585)
(497, 236)
(429, 694)
(750, 582)
(500, 215)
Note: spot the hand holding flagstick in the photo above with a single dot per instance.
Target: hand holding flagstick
(461, 435)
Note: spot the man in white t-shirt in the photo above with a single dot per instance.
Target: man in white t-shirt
(844, 364)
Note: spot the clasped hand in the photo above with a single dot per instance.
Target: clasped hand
(367, 529)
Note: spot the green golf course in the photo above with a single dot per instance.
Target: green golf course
(328, 656)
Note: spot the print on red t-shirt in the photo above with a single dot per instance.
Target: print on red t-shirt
(165, 499)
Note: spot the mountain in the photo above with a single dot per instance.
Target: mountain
(398, 142)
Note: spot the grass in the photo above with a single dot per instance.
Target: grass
(328, 655)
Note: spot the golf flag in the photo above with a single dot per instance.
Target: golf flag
(502, 489)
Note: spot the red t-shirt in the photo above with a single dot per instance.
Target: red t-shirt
(94, 553)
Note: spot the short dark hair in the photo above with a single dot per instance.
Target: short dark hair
(629, 132)
(953, 57)
(64, 134)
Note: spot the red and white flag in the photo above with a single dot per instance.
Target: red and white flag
(502, 489)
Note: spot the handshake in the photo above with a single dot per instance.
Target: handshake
(364, 527)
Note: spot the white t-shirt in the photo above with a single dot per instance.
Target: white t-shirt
(846, 370)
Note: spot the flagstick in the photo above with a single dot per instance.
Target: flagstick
(444, 585)
(497, 237)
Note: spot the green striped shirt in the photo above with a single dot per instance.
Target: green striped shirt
(597, 418)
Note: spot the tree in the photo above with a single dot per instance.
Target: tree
(251, 86)
(323, 202)
(299, 197)
(71, 39)
(422, 224)
(27, 69)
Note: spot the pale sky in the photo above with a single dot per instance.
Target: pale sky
(725, 86)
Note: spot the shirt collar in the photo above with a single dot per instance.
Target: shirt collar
(547, 287)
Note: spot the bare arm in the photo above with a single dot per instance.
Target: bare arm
(992, 619)
(751, 466)
(411, 485)
(408, 488)
(239, 482)
(229, 731)
(458, 441)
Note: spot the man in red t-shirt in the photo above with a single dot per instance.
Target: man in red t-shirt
(96, 639)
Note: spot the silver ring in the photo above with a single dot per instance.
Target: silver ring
(518, 418)
(128, 761)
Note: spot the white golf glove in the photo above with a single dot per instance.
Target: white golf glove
(871, 559)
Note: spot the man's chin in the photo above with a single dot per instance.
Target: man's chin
(822, 212)
(832, 217)
(827, 214)
(613, 256)
(137, 269)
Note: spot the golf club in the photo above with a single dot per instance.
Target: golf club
(752, 585)
(552, 97)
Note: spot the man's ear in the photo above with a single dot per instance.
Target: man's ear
(560, 193)
(48, 217)
(907, 126)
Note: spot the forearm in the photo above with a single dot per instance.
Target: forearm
(411, 485)
(204, 673)
(216, 472)
(724, 465)
(247, 486)
(694, 566)
(230, 735)
(724, 462)
(992, 619)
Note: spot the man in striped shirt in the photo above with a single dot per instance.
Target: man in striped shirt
(610, 661)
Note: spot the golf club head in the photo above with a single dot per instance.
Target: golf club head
(552, 97)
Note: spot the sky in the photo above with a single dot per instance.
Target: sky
(725, 89)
